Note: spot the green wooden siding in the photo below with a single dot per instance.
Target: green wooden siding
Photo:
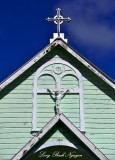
(70, 103)
(45, 104)
(60, 133)
(16, 109)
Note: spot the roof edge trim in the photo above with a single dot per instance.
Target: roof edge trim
(42, 53)
(70, 126)
(88, 64)
(27, 65)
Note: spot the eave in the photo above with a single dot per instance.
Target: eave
(45, 51)
(48, 127)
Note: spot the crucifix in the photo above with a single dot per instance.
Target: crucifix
(59, 94)
(58, 19)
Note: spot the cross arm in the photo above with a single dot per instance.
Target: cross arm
(70, 91)
(66, 19)
(51, 19)
(60, 19)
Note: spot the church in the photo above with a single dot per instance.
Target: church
(57, 106)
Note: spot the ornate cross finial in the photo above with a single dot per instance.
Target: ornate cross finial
(58, 19)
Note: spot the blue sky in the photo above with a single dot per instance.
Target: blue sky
(24, 31)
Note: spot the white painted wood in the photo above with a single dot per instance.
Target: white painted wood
(87, 64)
(82, 137)
(57, 143)
(36, 138)
(48, 127)
(44, 52)
(61, 91)
(55, 35)
(71, 90)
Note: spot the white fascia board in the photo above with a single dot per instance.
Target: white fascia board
(88, 65)
(83, 138)
(26, 66)
(49, 126)
(36, 138)
(44, 52)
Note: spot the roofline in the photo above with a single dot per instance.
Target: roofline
(42, 53)
(26, 66)
(36, 138)
(48, 127)
(88, 64)
(113, 81)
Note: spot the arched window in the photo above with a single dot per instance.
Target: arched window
(59, 71)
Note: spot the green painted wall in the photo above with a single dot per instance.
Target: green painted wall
(16, 109)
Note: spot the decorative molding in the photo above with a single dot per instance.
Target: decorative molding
(48, 127)
(57, 79)
(55, 35)
(57, 143)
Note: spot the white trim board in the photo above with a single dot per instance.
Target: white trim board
(77, 74)
(45, 51)
(71, 127)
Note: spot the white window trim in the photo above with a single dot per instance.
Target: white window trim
(37, 76)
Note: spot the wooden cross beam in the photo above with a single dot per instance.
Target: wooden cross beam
(46, 91)
(59, 94)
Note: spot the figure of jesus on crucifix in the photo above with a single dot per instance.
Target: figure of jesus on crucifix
(58, 96)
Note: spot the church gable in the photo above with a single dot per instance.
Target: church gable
(58, 44)
(59, 103)
(97, 98)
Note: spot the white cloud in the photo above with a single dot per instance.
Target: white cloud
(92, 22)
(95, 34)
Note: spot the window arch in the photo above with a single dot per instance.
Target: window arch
(58, 74)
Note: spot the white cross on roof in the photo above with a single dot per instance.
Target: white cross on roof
(58, 19)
